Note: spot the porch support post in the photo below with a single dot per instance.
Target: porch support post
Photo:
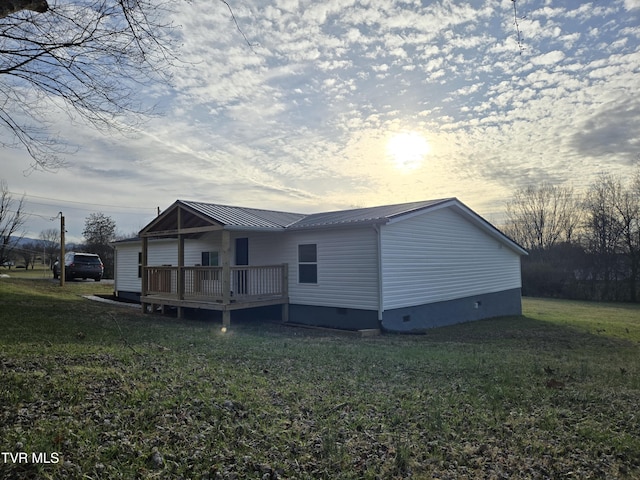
(145, 279)
(226, 277)
(226, 267)
(285, 292)
(180, 279)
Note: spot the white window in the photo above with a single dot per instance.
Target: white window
(308, 263)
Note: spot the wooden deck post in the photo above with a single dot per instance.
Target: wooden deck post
(180, 276)
(226, 267)
(180, 272)
(226, 277)
(285, 292)
(144, 274)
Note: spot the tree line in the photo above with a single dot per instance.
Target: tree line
(581, 246)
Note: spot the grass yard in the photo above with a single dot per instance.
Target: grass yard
(113, 393)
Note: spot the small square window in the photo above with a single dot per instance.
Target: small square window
(210, 259)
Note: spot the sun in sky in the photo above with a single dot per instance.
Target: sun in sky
(407, 150)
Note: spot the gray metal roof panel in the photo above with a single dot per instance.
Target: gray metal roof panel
(379, 214)
(243, 216)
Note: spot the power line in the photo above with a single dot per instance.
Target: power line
(74, 202)
(31, 214)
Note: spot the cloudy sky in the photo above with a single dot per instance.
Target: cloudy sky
(347, 103)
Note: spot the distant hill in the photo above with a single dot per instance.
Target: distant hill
(20, 242)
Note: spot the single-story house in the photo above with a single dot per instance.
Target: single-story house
(404, 268)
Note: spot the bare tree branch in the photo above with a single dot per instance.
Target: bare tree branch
(89, 58)
(515, 22)
(233, 16)
(12, 220)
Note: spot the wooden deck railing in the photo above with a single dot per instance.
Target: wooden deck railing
(246, 283)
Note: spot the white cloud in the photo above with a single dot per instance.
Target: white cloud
(550, 58)
(299, 121)
(631, 4)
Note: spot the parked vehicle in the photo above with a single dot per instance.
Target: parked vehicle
(80, 265)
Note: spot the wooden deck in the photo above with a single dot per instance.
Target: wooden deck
(210, 289)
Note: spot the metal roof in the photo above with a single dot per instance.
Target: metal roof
(379, 214)
(244, 217)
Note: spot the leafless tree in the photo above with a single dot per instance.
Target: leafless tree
(627, 205)
(12, 219)
(603, 230)
(50, 244)
(99, 231)
(29, 252)
(613, 233)
(87, 57)
(539, 217)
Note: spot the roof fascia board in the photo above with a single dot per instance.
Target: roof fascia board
(238, 228)
(183, 231)
(360, 223)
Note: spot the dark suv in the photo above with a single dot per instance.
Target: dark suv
(80, 265)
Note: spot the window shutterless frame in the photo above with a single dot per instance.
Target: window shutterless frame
(308, 263)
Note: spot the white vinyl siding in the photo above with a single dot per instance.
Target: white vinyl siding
(347, 266)
(126, 268)
(439, 256)
(162, 252)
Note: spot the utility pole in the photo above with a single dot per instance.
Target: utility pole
(61, 266)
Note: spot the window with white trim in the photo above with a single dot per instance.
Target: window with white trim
(308, 263)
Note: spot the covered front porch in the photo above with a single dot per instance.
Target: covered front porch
(228, 283)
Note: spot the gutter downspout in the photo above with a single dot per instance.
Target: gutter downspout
(380, 290)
